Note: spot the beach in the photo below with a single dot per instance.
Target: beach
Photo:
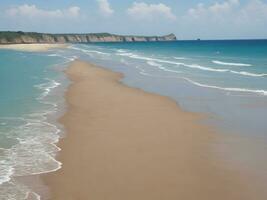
(124, 143)
(133, 100)
(33, 47)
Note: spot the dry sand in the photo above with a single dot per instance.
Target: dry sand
(33, 47)
(126, 144)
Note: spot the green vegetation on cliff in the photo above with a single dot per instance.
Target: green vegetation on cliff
(19, 37)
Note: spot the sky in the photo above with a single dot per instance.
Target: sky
(187, 19)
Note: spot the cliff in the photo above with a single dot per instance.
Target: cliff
(8, 37)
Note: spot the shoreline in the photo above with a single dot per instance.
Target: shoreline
(137, 151)
(33, 47)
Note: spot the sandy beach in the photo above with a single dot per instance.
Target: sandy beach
(33, 47)
(122, 143)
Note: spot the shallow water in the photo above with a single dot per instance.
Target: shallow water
(31, 87)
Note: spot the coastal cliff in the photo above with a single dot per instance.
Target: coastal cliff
(19, 37)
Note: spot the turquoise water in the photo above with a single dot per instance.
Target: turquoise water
(225, 79)
(31, 88)
(226, 65)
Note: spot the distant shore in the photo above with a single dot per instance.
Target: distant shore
(19, 37)
(123, 143)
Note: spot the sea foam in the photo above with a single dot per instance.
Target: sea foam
(192, 66)
(6, 171)
(262, 92)
(230, 89)
(231, 64)
(89, 51)
(35, 150)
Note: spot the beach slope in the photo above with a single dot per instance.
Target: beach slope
(126, 144)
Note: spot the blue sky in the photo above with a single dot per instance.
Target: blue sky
(188, 19)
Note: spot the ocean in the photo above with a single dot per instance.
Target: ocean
(225, 80)
(32, 87)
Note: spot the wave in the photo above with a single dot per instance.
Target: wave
(88, 51)
(159, 66)
(153, 64)
(6, 171)
(230, 89)
(231, 64)
(47, 87)
(193, 66)
(248, 73)
(32, 148)
(262, 92)
(121, 51)
(180, 58)
(35, 149)
(169, 70)
(72, 58)
(54, 55)
(33, 154)
(205, 68)
(131, 55)
(13, 190)
(124, 61)
(68, 59)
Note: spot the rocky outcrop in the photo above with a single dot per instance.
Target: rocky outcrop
(29, 38)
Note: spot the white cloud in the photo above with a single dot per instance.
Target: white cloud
(223, 7)
(215, 9)
(33, 11)
(231, 10)
(105, 8)
(255, 11)
(143, 11)
(74, 11)
(229, 18)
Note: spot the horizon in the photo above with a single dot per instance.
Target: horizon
(207, 19)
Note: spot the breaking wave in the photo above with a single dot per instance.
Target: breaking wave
(231, 64)
(155, 61)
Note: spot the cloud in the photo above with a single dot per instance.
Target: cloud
(231, 12)
(74, 11)
(105, 8)
(33, 11)
(143, 11)
(215, 9)
(229, 18)
(254, 11)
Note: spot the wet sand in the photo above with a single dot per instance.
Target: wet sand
(125, 144)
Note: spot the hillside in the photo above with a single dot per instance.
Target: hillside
(9, 37)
